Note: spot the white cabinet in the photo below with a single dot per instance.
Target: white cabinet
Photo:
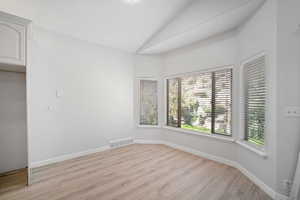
(12, 40)
(12, 43)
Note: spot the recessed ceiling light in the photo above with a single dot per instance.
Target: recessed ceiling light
(131, 1)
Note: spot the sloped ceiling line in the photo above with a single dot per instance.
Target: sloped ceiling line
(204, 21)
(155, 40)
(169, 21)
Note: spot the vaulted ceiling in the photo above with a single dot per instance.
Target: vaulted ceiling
(150, 26)
(200, 20)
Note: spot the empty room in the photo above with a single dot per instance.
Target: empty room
(149, 100)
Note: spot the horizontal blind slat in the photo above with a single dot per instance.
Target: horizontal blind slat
(255, 99)
(223, 101)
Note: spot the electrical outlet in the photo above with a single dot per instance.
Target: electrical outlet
(292, 111)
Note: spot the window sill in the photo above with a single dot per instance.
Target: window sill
(189, 132)
(255, 150)
(148, 126)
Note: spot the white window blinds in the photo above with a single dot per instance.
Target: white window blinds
(201, 102)
(255, 100)
(148, 103)
(222, 101)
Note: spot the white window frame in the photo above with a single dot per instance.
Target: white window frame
(260, 150)
(146, 78)
(231, 138)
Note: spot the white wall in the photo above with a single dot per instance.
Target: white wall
(86, 115)
(288, 55)
(96, 105)
(13, 148)
(216, 52)
(257, 35)
(148, 67)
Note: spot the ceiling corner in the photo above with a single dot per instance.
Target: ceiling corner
(164, 25)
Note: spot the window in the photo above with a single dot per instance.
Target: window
(148, 103)
(173, 102)
(201, 102)
(255, 99)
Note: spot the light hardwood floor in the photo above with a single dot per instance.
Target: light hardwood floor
(148, 172)
(13, 180)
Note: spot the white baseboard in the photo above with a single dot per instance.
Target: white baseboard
(234, 164)
(67, 157)
(231, 163)
(142, 141)
(257, 181)
(187, 149)
(201, 154)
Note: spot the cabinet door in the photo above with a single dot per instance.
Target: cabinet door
(12, 43)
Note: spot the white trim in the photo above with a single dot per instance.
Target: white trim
(146, 77)
(242, 104)
(253, 57)
(259, 151)
(296, 182)
(121, 139)
(256, 180)
(190, 132)
(208, 69)
(139, 79)
(28, 63)
(211, 69)
(201, 154)
(187, 149)
(165, 96)
(252, 148)
(142, 141)
(68, 157)
(16, 19)
(225, 161)
(148, 126)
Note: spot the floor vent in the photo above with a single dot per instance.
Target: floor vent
(120, 142)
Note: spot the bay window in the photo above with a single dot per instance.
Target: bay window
(201, 102)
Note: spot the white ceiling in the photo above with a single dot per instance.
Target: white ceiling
(202, 19)
(148, 27)
(107, 22)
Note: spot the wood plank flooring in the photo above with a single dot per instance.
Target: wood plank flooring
(138, 172)
(13, 180)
